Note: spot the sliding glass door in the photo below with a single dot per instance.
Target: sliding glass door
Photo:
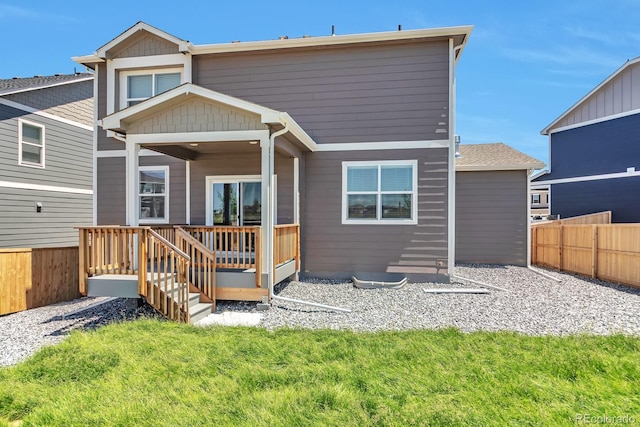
(234, 201)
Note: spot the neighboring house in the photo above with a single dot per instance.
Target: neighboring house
(492, 216)
(46, 146)
(540, 202)
(595, 151)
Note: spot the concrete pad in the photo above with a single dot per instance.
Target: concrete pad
(231, 318)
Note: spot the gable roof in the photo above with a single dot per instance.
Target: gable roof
(584, 99)
(269, 116)
(183, 45)
(17, 84)
(496, 156)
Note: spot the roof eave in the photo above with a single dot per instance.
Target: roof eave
(464, 31)
(468, 168)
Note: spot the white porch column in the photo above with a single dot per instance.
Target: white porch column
(132, 179)
(296, 190)
(266, 171)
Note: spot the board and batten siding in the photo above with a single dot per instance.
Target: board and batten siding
(373, 252)
(491, 217)
(343, 94)
(240, 163)
(68, 166)
(619, 95)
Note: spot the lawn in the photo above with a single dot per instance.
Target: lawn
(164, 374)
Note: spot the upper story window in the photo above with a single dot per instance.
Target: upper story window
(535, 199)
(380, 192)
(30, 144)
(136, 86)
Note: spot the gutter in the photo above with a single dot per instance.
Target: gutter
(271, 223)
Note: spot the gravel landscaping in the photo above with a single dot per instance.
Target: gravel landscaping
(23, 333)
(530, 304)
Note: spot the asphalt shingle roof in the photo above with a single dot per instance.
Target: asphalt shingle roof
(494, 156)
(8, 86)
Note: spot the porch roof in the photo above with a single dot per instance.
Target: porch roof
(120, 121)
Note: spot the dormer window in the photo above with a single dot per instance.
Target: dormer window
(136, 86)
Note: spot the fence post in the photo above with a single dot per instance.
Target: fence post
(82, 261)
(594, 252)
(560, 243)
(534, 244)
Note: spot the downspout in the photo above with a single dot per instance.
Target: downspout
(271, 224)
(451, 202)
(452, 176)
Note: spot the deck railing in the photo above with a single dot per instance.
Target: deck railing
(187, 253)
(286, 244)
(234, 247)
(161, 267)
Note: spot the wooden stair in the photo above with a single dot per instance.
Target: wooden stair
(198, 304)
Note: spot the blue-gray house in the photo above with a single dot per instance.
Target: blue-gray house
(594, 151)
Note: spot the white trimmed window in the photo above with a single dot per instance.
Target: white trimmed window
(153, 194)
(380, 192)
(138, 85)
(30, 144)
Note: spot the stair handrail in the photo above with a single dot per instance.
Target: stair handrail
(205, 283)
(162, 293)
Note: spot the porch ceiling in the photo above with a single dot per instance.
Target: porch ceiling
(188, 151)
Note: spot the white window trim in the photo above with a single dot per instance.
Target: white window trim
(154, 62)
(231, 179)
(381, 221)
(40, 165)
(123, 81)
(166, 195)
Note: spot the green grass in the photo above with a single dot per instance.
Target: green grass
(165, 374)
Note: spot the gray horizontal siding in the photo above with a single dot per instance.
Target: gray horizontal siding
(491, 217)
(104, 143)
(336, 250)
(245, 163)
(21, 226)
(68, 152)
(347, 94)
(111, 192)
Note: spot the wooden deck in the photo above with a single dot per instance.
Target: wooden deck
(172, 262)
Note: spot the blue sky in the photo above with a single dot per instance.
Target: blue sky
(525, 63)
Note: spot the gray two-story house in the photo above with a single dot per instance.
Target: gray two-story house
(46, 151)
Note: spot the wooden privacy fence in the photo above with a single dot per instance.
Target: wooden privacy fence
(594, 218)
(605, 251)
(31, 278)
